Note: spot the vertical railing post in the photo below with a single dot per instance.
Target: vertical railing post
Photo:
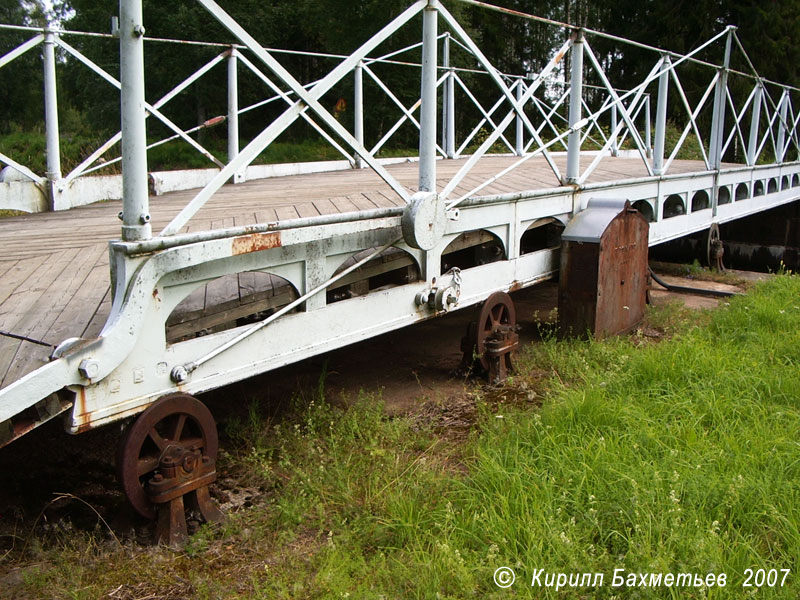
(648, 136)
(783, 114)
(575, 111)
(233, 111)
(661, 116)
(752, 145)
(519, 144)
(720, 98)
(614, 120)
(135, 201)
(449, 102)
(427, 134)
(358, 109)
(53, 148)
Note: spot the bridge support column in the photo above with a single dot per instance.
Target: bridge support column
(718, 118)
(752, 146)
(358, 109)
(427, 134)
(233, 111)
(448, 103)
(53, 149)
(135, 189)
(575, 111)
(519, 149)
(783, 115)
(661, 117)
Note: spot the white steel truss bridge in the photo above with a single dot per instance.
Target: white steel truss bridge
(227, 272)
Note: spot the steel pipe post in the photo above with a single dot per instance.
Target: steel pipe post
(427, 134)
(53, 148)
(783, 115)
(752, 145)
(135, 189)
(519, 145)
(449, 103)
(661, 117)
(233, 111)
(720, 100)
(575, 112)
(648, 136)
(358, 110)
(614, 146)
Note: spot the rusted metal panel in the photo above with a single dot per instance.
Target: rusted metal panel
(603, 279)
(255, 242)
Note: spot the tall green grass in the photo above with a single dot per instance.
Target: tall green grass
(654, 457)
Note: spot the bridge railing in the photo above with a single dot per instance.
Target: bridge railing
(570, 105)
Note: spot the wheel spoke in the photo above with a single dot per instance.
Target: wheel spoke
(157, 439)
(177, 429)
(146, 464)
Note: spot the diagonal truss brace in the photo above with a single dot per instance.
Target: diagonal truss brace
(307, 99)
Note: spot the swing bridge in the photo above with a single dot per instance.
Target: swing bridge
(223, 273)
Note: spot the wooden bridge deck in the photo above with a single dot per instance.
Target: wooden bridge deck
(54, 277)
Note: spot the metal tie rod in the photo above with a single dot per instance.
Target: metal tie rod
(181, 373)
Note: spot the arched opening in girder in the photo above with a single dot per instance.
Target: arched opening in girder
(229, 301)
(785, 183)
(742, 192)
(646, 208)
(723, 195)
(542, 234)
(472, 249)
(758, 188)
(700, 201)
(772, 186)
(390, 268)
(795, 180)
(674, 206)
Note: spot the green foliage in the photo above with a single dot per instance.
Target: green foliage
(675, 456)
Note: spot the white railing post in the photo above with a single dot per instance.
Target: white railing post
(53, 149)
(358, 110)
(614, 145)
(575, 111)
(661, 117)
(783, 114)
(449, 102)
(648, 136)
(233, 111)
(720, 100)
(427, 135)
(752, 145)
(135, 189)
(519, 142)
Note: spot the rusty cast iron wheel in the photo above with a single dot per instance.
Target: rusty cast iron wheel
(173, 420)
(712, 238)
(497, 309)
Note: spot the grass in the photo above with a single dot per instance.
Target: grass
(654, 457)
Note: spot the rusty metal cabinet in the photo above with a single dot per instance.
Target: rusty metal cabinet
(603, 275)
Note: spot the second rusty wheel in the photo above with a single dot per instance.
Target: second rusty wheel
(496, 314)
(174, 422)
